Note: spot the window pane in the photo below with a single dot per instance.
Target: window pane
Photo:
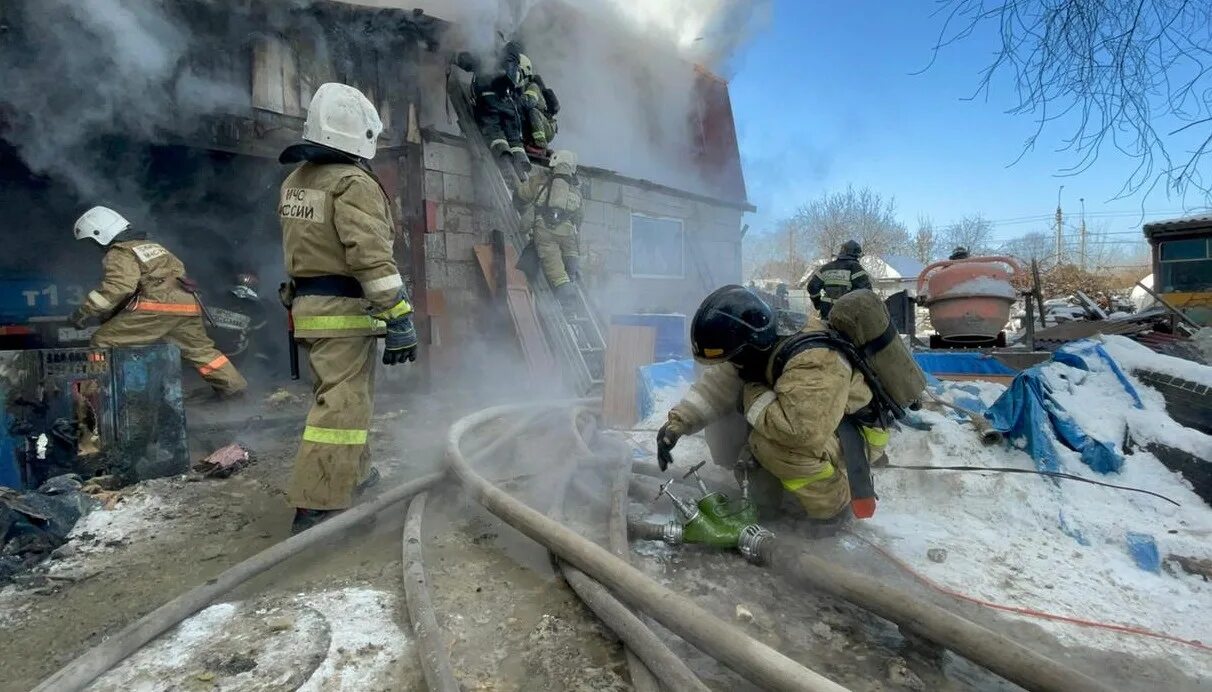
(1192, 248)
(656, 247)
(1186, 277)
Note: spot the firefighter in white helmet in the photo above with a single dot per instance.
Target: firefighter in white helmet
(344, 291)
(145, 298)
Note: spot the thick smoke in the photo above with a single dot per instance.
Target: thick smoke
(84, 70)
(625, 71)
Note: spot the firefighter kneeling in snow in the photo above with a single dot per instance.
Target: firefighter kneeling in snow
(812, 410)
(550, 204)
(345, 290)
(144, 298)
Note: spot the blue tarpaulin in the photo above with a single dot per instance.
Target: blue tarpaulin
(961, 363)
(657, 376)
(1032, 419)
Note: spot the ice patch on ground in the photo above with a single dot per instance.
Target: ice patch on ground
(365, 644)
(344, 639)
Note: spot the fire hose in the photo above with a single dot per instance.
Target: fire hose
(77, 674)
(757, 662)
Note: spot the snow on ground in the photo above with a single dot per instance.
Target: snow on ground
(365, 640)
(344, 639)
(1059, 547)
(1030, 542)
(139, 515)
(1133, 356)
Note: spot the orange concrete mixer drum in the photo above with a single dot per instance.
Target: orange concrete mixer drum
(970, 299)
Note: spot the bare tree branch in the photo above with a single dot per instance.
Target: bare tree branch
(1112, 70)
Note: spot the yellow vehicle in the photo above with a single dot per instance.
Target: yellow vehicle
(1182, 264)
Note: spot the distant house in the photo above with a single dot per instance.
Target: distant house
(889, 273)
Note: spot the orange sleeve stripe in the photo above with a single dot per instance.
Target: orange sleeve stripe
(214, 365)
(168, 308)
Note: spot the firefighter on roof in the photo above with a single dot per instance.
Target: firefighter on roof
(837, 278)
(145, 298)
(497, 90)
(539, 110)
(345, 290)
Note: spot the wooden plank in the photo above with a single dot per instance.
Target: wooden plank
(976, 377)
(627, 349)
(530, 333)
(484, 255)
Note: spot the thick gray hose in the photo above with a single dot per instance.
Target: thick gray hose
(987, 648)
(94, 662)
(759, 663)
(435, 660)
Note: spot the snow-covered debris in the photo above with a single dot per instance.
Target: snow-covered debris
(1133, 356)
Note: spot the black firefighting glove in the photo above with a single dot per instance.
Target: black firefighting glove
(80, 317)
(667, 439)
(401, 345)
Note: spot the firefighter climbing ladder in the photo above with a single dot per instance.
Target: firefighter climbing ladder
(575, 336)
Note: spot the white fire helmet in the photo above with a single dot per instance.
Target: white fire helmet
(342, 118)
(564, 157)
(102, 224)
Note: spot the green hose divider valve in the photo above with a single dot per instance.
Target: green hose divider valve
(713, 519)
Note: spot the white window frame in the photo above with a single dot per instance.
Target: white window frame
(631, 258)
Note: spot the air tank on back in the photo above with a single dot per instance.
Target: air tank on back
(969, 299)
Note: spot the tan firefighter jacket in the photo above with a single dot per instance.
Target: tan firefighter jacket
(794, 423)
(552, 201)
(143, 276)
(336, 221)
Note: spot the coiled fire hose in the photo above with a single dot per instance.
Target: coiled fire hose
(755, 661)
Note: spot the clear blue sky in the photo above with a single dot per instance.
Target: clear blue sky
(826, 96)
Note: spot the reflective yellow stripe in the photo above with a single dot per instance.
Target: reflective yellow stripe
(334, 436)
(385, 283)
(316, 323)
(400, 309)
(858, 275)
(875, 436)
(99, 300)
(794, 484)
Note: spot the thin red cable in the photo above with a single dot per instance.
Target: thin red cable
(1029, 612)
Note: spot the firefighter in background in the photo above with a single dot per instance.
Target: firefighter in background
(498, 95)
(960, 253)
(550, 203)
(792, 406)
(145, 298)
(344, 290)
(837, 278)
(539, 109)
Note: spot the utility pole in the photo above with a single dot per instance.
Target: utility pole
(1060, 229)
(792, 278)
(1083, 233)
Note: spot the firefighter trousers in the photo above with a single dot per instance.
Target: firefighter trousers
(820, 496)
(552, 249)
(500, 121)
(334, 454)
(134, 328)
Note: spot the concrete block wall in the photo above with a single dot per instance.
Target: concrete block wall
(457, 222)
(711, 249)
(460, 220)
